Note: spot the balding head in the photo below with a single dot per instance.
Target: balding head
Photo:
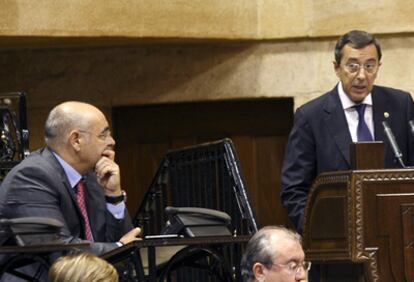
(79, 133)
(265, 247)
(66, 117)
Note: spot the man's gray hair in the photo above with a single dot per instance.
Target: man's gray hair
(258, 249)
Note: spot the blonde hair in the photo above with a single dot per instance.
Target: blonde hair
(82, 267)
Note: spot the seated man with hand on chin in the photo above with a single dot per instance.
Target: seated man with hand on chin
(74, 179)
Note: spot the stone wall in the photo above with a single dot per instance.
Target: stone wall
(168, 51)
(170, 73)
(200, 19)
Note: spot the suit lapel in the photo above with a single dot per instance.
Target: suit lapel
(57, 167)
(334, 118)
(380, 106)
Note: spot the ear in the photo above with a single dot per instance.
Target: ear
(336, 67)
(75, 140)
(259, 271)
(379, 65)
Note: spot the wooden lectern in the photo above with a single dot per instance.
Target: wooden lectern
(359, 224)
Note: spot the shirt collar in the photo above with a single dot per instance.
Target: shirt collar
(73, 176)
(348, 103)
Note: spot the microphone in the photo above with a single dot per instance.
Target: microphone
(411, 123)
(394, 146)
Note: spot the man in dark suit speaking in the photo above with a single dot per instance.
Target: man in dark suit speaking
(353, 111)
(74, 179)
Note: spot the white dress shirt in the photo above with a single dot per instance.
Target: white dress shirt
(351, 113)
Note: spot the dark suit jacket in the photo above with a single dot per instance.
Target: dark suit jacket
(320, 140)
(38, 186)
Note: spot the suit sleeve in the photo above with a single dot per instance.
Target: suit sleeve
(30, 193)
(410, 146)
(116, 228)
(299, 169)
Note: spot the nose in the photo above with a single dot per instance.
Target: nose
(111, 140)
(301, 274)
(361, 73)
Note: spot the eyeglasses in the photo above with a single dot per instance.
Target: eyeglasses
(103, 135)
(355, 67)
(294, 267)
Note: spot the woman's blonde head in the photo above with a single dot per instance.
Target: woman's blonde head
(82, 267)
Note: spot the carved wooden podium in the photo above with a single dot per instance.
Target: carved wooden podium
(359, 225)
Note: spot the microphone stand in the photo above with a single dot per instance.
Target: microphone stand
(394, 145)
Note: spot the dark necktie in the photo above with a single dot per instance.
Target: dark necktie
(363, 133)
(80, 198)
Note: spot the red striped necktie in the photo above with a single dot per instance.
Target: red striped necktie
(80, 198)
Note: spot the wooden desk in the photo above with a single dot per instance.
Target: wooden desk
(18, 256)
(133, 251)
(44, 248)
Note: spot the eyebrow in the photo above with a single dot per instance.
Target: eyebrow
(293, 260)
(106, 129)
(356, 60)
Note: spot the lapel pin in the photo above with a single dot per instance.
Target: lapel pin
(386, 115)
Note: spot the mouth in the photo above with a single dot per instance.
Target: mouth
(359, 88)
(107, 152)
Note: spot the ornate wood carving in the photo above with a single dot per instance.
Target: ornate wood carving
(377, 223)
(407, 213)
(371, 266)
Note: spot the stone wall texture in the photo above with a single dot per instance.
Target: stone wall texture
(225, 19)
(131, 52)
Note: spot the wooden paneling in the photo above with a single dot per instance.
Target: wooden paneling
(362, 218)
(269, 155)
(258, 128)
